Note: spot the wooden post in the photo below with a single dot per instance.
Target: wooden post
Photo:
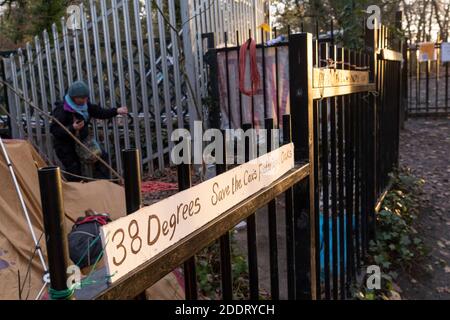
(301, 68)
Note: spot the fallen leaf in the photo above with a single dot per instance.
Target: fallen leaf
(440, 244)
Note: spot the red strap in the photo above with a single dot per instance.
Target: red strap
(100, 219)
(254, 74)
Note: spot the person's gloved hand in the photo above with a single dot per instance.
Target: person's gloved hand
(122, 110)
(78, 125)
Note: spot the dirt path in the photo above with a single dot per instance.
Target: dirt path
(425, 148)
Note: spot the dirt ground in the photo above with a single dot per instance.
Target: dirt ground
(425, 148)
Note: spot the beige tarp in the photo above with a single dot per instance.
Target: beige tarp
(16, 243)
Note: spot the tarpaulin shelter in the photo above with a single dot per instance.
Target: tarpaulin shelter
(16, 243)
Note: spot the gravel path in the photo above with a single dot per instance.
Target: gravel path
(425, 148)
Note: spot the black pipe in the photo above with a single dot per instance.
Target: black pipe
(251, 228)
(272, 218)
(54, 224)
(132, 174)
(131, 165)
(190, 274)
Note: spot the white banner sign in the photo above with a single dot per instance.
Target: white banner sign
(135, 239)
(445, 51)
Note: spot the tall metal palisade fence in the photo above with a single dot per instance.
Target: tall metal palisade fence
(129, 54)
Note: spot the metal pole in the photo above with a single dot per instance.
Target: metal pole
(272, 219)
(132, 179)
(55, 234)
(131, 160)
(251, 225)
(190, 275)
(225, 248)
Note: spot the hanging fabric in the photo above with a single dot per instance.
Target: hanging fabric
(249, 45)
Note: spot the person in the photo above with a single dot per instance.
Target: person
(75, 113)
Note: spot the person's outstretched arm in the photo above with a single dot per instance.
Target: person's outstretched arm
(97, 112)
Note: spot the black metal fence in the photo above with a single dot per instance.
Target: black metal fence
(342, 109)
(428, 83)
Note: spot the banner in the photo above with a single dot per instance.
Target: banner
(427, 52)
(135, 239)
(445, 51)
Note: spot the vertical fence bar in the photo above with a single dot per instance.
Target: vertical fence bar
(190, 61)
(33, 85)
(51, 79)
(351, 185)
(54, 224)
(101, 86)
(301, 69)
(225, 249)
(111, 82)
(277, 83)
(263, 51)
(272, 218)
(251, 226)
(199, 51)
(334, 194)
(289, 202)
(44, 102)
(176, 64)
(119, 67)
(59, 69)
(18, 115)
(88, 62)
(132, 76)
(227, 77)
(340, 103)
(143, 82)
(12, 129)
(67, 52)
(446, 87)
(165, 72)
(427, 86)
(26, 104)
(326, 116)
(155, 87)
(76, 45)
(436, 87)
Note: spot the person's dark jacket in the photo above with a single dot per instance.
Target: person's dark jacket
(67, 119)
(64, 144)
